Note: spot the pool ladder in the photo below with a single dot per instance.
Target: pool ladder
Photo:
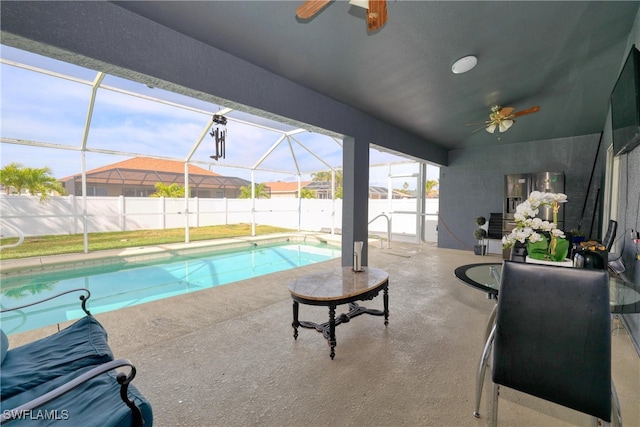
(20, 236)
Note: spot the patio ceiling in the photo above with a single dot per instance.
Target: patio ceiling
(561, 56)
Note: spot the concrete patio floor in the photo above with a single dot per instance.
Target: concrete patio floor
(226, 356)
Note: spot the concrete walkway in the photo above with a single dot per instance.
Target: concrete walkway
(226, 356)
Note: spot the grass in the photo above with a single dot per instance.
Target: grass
(74, 243)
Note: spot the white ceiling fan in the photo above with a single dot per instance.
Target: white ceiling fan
(503, 118)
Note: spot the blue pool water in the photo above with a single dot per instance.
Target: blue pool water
(117, 286)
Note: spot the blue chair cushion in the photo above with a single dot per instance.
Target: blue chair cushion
(84, 343)
(96, 402)
(4, 345)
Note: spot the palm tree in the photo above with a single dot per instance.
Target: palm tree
(261, 192)
(40, 180)
(170, 190)
(12, 176)
(338, 192)
(430, 186)
(325, 176)
(305, 193)
(35, 180)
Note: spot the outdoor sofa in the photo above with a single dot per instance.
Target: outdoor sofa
(69, 378)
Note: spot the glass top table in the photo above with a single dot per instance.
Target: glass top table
(624, 297)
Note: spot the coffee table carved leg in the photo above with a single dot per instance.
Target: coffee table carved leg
(332, 330)
(295, 322)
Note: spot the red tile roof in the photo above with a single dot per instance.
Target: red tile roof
(155, 165)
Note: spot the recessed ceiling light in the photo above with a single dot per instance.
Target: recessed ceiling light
(464, 64)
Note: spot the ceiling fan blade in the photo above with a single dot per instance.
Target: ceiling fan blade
(376, 14)
(310, 7)
(506, 111)
(486, 122)
(527, 111)
(484, 126)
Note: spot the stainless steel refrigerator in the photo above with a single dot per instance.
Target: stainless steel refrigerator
(517, 188)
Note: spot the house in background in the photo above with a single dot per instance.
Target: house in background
(383, 193)
(138, 176)
(322, 190)
(281, 189)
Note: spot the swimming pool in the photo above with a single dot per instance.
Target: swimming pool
(115, 286)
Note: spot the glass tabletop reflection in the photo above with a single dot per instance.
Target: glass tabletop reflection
(624, 297)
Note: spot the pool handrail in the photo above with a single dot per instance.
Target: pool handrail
(388, 228)
(20, 236)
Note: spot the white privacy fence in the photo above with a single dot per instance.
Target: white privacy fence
(64, 215)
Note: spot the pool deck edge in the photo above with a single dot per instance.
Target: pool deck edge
(52, 262)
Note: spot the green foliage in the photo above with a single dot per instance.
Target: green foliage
(576, 232)
(338, 194)
(481, 220)
(325, 176)
(540, 250)
(171, 190)
(305, 193)
(74, 243)
(562, 250)
(260, 189)
(11, 176)
(37, 181)
(480, 233)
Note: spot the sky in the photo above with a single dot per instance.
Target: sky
(52, 110)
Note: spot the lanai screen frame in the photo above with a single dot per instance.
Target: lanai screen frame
(289, 136)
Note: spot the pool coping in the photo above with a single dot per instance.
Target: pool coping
(16, 267)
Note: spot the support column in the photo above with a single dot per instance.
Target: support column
(355, 198)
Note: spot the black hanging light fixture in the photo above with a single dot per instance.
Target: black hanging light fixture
(219, 134)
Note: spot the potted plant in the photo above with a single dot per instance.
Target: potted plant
(577, 235)
(480, 234)
(545, 242)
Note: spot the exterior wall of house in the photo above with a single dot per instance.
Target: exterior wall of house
(115, 190)
(284, 194)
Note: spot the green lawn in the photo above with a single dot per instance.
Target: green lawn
(74, 243)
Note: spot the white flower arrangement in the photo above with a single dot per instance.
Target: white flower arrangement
(531, 230)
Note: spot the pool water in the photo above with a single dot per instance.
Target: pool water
(118, 286)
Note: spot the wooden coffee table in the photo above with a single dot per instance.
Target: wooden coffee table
(335, 287)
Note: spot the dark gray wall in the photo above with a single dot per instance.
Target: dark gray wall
(472, 184)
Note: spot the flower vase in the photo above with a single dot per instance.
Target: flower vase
(566, 263)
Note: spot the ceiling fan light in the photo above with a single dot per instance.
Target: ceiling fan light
(505, 125)
(491, 128)
(360, 3)
(464, 64)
